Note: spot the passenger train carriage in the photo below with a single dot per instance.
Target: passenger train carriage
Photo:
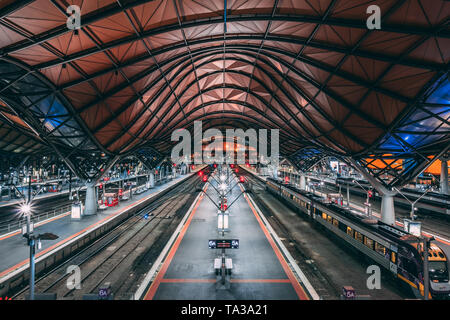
(390, 247)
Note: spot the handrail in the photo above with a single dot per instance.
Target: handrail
(17, 225)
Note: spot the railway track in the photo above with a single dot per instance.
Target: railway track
(122, 256)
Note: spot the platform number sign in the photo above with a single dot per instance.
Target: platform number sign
(104, 292)
(348, 293)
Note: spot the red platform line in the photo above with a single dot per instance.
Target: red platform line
(260, 280)
(188, 280)
(232, 280)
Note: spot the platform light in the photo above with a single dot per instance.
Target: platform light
(223, 177)
(223, 186)
(25, 208)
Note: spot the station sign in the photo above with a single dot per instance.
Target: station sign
(223, 244)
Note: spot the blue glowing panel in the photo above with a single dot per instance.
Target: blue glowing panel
(441, 95)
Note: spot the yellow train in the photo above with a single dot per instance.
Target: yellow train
(390, 247)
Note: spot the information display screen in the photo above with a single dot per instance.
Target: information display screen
(223, 244)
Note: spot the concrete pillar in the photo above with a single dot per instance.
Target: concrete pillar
(151, 180)
(348, 195)
(275, 172)
(444, 176)
(302, 182)
(387, 209)
(90, 207)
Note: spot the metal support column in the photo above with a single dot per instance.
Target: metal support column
(444, 176)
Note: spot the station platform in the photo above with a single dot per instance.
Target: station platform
(260, 269)
(14, 252)
(64, 191)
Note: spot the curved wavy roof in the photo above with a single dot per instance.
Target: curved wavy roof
(137, 70)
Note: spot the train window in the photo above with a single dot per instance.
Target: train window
(408, 265)
(350, 231)
(358, 236)
(368, 242)
(380, 248)
(393, 257)
(335, 222)
(329, 219)
(324, 216)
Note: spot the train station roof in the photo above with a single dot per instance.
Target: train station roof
(137, 70)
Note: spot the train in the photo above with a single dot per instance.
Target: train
(397, 251)
(111, 199)
(431, 203)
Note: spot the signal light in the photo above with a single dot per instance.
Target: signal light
(205, 178)
(242, 179)
(200, 173)
(215, 165)
(237, 170)
(232, 166)
(286, 179)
